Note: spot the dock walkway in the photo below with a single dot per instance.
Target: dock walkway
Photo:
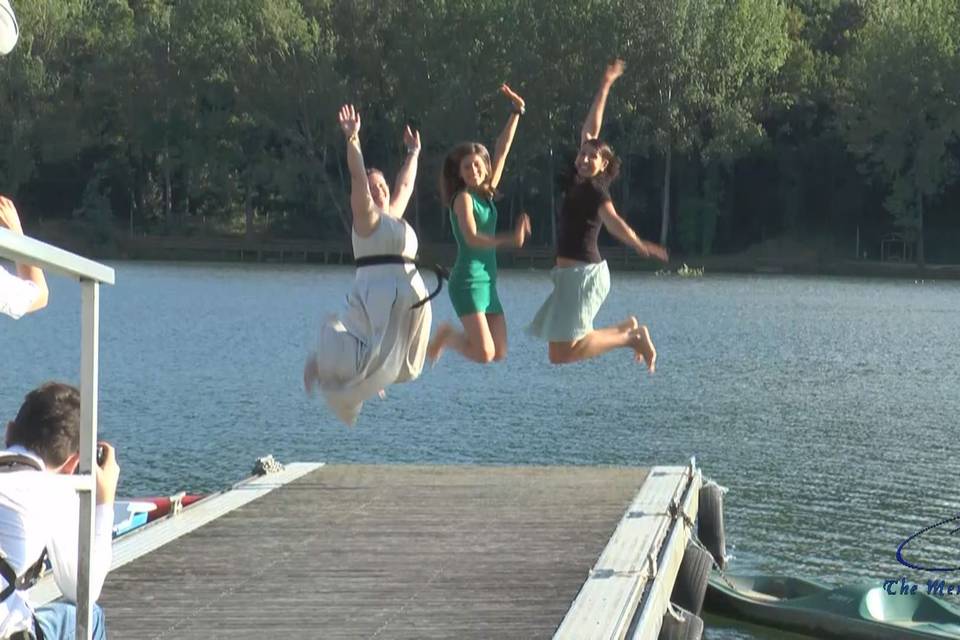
(372, 551)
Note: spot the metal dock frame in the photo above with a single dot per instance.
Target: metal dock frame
(90, 275)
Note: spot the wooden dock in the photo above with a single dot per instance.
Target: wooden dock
(356, 551)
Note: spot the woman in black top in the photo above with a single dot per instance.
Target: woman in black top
(581, 279)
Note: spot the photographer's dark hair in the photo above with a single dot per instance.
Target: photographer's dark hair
(48, 423)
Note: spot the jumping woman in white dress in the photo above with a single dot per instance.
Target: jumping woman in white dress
(381, 337)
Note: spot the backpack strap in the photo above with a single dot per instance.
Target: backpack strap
(16, 462)
(8, 463)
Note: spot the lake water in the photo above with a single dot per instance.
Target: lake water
(828, 406)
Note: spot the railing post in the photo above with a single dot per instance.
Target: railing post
(89, 367)
(19, 248)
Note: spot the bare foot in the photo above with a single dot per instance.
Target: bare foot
(310, 374)
(643, 347)
(439, 342)
(628, 325)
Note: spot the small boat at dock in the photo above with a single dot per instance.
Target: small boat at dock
(133, 513)
(863, 611)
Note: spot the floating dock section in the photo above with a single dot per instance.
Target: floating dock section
(375, 551)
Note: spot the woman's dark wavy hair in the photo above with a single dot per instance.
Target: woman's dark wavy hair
(450, 181)
(613, 162)
(602, 180)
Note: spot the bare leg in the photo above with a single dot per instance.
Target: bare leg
(593, 344)
(627, 334)
(440, 340)
(475, 343)
(498, 331)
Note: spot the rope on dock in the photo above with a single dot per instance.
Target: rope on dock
(266, 465)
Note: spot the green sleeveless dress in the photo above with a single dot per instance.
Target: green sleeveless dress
(473, 279)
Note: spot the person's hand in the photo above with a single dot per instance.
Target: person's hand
(522, 230)
(349, 120)
(8, 216)
(654, 250)
(411, 138)
(518, 102)
(108, 474)
(613, 71)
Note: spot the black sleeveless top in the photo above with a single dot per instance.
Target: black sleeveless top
(579, 222)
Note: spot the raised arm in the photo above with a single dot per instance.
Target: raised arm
(62, 544)
(10, 219)
(365, 215)
(408, 173)
(463, 208)
(620, 230)
(594, 121)
(505, 140)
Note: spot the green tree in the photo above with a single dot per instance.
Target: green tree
(901, 114)
(704, 69)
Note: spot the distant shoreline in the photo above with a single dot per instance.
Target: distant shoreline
(285, 250)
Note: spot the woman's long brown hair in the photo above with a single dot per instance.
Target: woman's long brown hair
(450, 181)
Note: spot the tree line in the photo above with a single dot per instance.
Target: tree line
(737, 120)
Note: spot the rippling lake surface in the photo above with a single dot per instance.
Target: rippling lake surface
(827, 406)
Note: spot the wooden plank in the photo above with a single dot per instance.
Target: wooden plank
(358, 551)
(608, 600)
(156, 534)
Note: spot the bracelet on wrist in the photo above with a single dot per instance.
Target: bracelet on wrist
(520, 111)
(353, 137)
(412, 151)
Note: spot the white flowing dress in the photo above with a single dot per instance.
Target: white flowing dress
(378, 339)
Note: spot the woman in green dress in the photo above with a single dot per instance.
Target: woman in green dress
(468, 183)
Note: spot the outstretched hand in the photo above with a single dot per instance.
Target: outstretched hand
(411, 138)
(655, 251)
(8, 216)
(522, 230)
(613, 71)
(518, 102)
(349, 119)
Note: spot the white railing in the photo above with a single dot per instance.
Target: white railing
(90, 275)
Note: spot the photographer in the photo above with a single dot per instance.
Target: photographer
(27, 290)
(38, 511)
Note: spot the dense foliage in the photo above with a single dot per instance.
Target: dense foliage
(738, 120)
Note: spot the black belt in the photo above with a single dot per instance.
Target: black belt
(440, 271)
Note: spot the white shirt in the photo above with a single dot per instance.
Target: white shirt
(16, 294)
(39, 509)
(9, 31)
